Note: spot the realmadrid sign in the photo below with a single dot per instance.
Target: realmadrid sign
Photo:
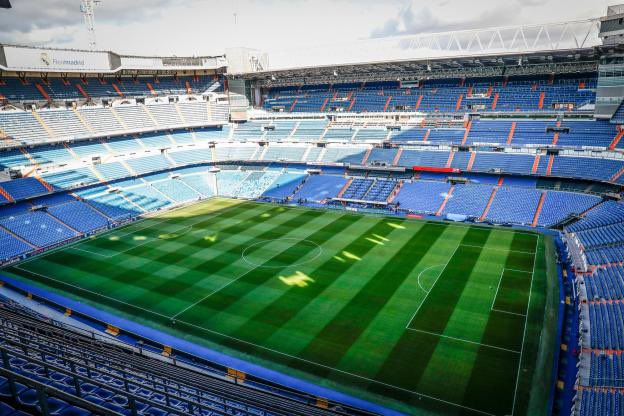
(45, 58)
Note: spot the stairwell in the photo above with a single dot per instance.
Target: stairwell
(98, 175)
(420, 98)
(366, 156)
(93, 207)
(449, 194)
(82, 91)
(306, 153)
(131, 202)
(344, 188)
(167, 197)
(617, 175)
(321, 154)
(495, 101)
(47, 128)
(426, 138)
(324, 105)
(459, 101)
(294, 104)
(29, 157)
(83, 121)
(297, 188)
(293, 131)
(449, 161)
(118, 118)
(473, 156)
(387, 104)
(46, 185)
(265, 149)
(169, 159)
(467, 133)
(617, 138)
(351, 104)
(538, 211)
(535, 164)
(128, 168)
(556, 135)
(179, 111)
(150, 115)
(540, 104)
(151, 88)
(71, 151)
(397, 157)
(43, 92)
(5, 194)
(551, 159)
(489, 204)
(116, 88)
(395, 191)
(512, 131)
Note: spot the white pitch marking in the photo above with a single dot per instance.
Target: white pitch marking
(526, 318)
(464, 340)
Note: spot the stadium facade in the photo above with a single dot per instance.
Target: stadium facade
(206, 235)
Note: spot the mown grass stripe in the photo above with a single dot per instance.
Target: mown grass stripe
(118, 276)
(492, 382)
(105, 240)
(407, 362)
(334, 340)
(436, 310)
(222, 299)
(270, 319)
(232, 255)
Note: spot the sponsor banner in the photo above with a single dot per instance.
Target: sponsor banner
(171, 63)
(44, 60)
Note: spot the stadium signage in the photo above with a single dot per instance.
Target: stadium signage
(30, 59)
(182, 61)
(35, 59)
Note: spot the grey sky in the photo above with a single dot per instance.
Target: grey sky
(193, 27)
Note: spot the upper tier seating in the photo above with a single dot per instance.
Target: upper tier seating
(495, 94)
(27, 127)
(59, 89)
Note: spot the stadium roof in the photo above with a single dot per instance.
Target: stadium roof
(560, 61)
(481, 50)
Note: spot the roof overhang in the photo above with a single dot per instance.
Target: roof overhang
(559, 61)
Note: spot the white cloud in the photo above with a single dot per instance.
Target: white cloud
(197, 27)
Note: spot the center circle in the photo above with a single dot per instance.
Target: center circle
(278, 253)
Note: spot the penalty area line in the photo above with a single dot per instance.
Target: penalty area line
(464, 340)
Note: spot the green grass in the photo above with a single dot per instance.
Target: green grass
(424, 317)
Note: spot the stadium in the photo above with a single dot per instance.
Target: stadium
(431, 226)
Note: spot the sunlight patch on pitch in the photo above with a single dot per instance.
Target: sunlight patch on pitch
(298, 279)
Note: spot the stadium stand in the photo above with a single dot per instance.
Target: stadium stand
(85, 374)
(82, 154)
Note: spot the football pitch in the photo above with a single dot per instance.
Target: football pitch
(424, 317)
